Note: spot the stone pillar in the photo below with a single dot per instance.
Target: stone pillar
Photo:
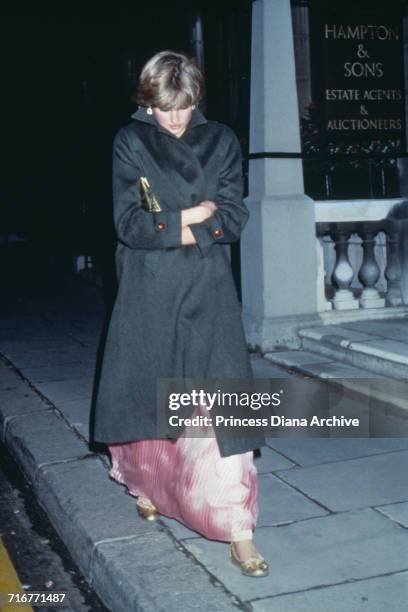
(403, 176)
(278, 246)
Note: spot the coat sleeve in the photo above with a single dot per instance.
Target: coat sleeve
(228, 221)
(135, 227)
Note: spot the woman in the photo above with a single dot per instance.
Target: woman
(176, 314)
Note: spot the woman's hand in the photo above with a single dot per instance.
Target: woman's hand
(209, 206)
(187, 237)
(199, 213)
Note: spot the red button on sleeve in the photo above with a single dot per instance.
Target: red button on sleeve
(161, 226)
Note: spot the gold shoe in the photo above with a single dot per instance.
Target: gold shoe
(147, 510)
(255, 566)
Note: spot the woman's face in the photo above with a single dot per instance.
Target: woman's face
(174, 120)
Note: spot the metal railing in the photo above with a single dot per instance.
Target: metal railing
(348, 175)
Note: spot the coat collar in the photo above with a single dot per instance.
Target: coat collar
(197, 118)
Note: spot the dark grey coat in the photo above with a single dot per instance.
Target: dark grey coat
(176, 313)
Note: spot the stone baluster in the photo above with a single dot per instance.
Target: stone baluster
(323, 303)
(343, 274)
(393, 270)
(369, 272)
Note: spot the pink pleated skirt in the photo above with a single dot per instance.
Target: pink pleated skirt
(188, 480)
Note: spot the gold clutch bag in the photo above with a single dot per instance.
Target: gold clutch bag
(148, 200)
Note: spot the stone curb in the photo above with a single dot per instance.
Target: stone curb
(131, 564)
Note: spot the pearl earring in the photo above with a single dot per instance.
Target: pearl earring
(193, 107)
(149, 110)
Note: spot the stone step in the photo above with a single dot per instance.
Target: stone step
(386, 390)
(384, 356)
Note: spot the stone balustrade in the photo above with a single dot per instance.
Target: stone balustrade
(361, 253)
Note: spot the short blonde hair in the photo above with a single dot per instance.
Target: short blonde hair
(170, 80)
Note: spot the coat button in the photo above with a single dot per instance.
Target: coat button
(161, 226)
(217, 233)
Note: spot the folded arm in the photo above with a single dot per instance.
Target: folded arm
(205, 224)
(230, 216)
(196, 214)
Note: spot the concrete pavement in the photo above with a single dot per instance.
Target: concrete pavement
(333, 512)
